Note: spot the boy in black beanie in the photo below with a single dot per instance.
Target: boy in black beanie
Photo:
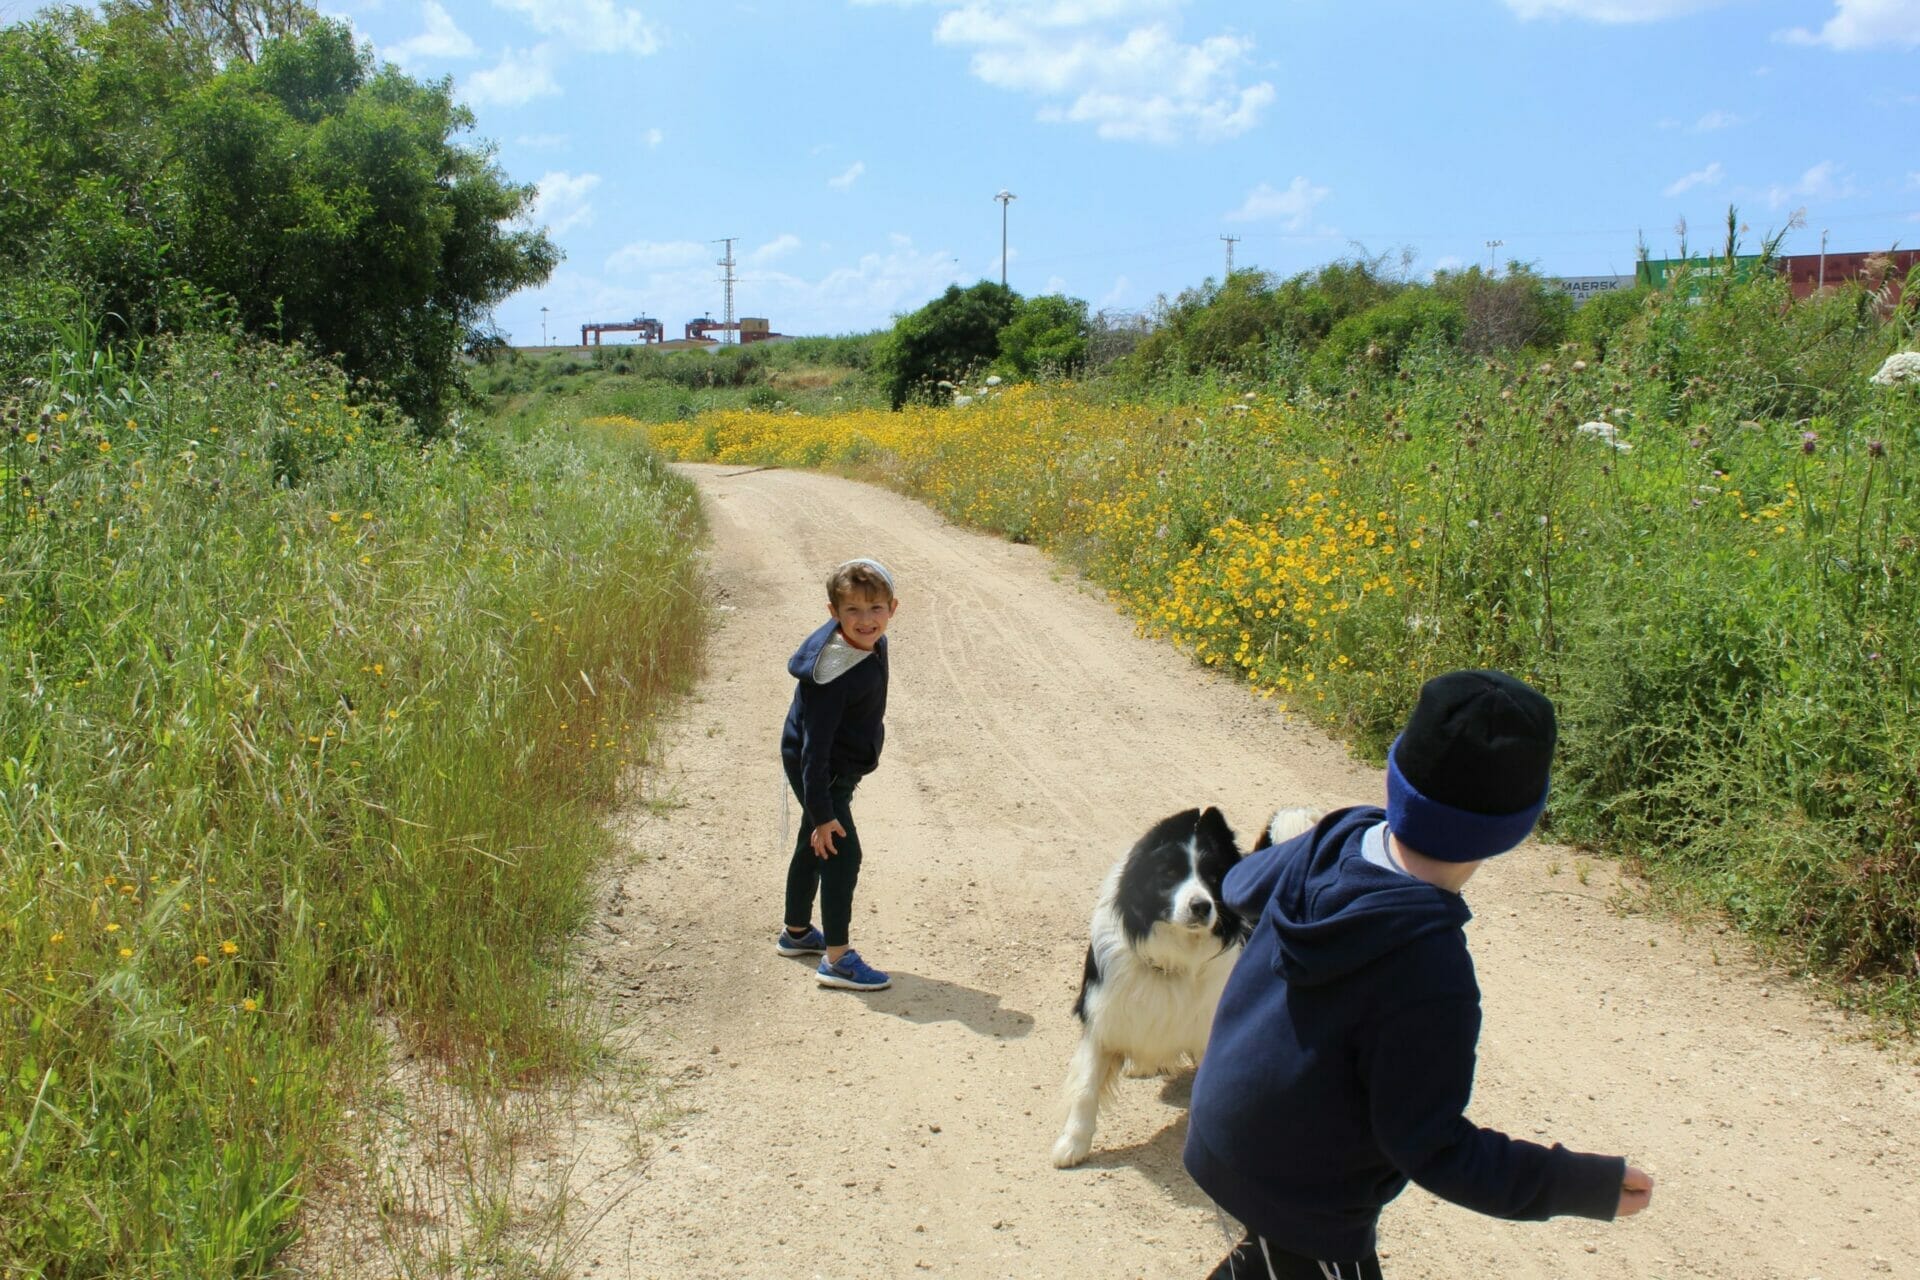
(1342, 1054)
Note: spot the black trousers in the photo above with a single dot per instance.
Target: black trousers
(1255, 1259)
(832, 878)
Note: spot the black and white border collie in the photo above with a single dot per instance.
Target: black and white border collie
(1163, 942)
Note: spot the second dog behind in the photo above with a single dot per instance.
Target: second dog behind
(1162, 944)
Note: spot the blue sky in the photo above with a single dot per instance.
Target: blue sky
(854, 147)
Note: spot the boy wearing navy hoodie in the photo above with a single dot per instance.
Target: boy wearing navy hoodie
(1342, 1054)
(834, 731)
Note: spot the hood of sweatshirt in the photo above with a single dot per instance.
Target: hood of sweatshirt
(825, 655)
(1332, 911)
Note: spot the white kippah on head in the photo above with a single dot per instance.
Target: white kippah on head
(877, 567)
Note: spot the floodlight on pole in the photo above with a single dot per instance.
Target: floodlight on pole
(543, 326)
(1491, 246)
(1005, 198)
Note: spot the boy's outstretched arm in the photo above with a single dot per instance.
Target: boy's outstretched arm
(1420, 1078)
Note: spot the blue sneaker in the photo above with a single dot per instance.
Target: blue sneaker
(810, 943)
(851, 973)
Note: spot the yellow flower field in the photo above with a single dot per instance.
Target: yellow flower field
(1152, 504)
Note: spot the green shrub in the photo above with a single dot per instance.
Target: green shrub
(1373, 342)
(1603, 316)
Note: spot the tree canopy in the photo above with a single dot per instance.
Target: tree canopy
(1049, 335)
(180, 155)
(952, 336)
(988, 326)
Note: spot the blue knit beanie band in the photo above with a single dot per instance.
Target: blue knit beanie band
(1446, 833)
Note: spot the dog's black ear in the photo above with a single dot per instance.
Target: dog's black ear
(1213, 831)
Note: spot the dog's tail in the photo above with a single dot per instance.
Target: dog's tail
(1288, 823)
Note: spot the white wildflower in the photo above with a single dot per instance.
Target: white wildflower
(1900, 367)
(1605, 432)
(961, 402)
(993, 380)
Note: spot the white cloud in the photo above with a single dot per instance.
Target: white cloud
(518, 77)
(1823, 181)
(653, 137)
(542, 141)
(443, 39)
(1116, 65)
(588, 26)
(1294, 206)
(848, 297)
(1716, 120)
(1612, 11)
(1707, 177)
(1913, 179)
(657, 255)
(849, 176)
(561, 201)
(778, 247)
(1864, 24)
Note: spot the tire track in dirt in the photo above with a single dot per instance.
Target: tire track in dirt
(1032, 735)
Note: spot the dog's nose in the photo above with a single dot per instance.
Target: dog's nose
(1200, 909)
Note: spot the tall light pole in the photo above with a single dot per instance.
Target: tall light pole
(1491, 246)
(543, 326)
(1005, 198)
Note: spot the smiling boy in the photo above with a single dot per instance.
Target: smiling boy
(835, 728)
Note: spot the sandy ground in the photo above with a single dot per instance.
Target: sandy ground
(1031, 736)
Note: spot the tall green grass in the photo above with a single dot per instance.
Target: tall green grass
(304, 734)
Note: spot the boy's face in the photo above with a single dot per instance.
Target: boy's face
(863, 618)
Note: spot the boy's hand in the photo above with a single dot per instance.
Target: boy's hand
(1636, 1192)
(822, 838)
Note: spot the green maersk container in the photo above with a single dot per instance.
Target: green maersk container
(1662, 273)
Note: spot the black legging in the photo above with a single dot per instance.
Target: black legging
(833, 877)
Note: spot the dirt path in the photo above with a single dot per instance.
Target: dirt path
(1031, 737)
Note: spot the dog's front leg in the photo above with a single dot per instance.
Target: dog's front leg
(1088, 1080)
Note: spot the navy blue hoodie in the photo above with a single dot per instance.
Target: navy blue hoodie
(836, 729)
(1342, 1055)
